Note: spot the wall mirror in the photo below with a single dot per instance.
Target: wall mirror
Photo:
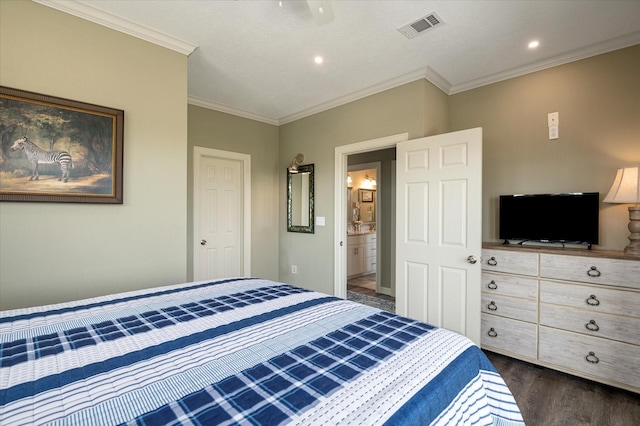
(361, 197)
(300, 200)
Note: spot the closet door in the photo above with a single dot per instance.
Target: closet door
(222, 232)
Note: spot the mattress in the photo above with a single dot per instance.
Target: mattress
(239, 351)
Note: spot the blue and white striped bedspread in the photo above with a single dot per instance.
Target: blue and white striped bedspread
(240, 351)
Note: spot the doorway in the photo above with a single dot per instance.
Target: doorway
(439, 235)
(370, 230)
(341, 200)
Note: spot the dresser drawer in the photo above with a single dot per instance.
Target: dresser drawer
(370, 238)
(591, 298)
(515, 262)
(525, 288)
(594, 270)
(504, 334)
(616, 327)
(510, 307)
(611, 362)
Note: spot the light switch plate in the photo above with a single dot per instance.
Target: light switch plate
(553, 119)
(320, 220)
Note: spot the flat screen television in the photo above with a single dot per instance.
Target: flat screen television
(565, 218)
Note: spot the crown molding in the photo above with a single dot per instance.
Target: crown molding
(204, 103)
(428, 74)
(437, 80)
(576, 55)
(100, 17)
(433, 77)
(418, 74)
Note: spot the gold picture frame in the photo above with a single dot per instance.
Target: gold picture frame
(59, 150)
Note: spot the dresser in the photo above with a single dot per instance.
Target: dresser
(573, 310)
(361, 254)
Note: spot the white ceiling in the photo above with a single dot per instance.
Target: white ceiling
(255, 59)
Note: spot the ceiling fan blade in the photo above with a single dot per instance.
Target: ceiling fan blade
(321, 10)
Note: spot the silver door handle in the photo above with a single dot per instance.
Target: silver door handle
(203, 242)
(472, 259)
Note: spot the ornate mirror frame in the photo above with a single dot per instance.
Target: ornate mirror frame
(309, 226)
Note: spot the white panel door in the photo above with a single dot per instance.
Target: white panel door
(438, 226)
(220, 247)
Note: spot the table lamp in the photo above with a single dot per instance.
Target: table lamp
(626, 190)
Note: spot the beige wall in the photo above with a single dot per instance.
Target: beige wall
(598, 100)
(418, 108)
(217, 130)
(53, 252)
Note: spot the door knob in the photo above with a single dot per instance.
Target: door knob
(472, 259)
(203, 242)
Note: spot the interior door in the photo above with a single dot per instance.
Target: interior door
(438, 226)
(220, 241)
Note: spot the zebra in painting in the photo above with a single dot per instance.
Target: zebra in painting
(36, 155)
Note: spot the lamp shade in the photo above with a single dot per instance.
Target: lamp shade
(626, 186)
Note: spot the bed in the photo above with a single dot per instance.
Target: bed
(239, 351)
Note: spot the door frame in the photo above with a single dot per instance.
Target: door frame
(340, 202)
(245, 159)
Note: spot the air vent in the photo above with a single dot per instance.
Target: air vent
(421, 25)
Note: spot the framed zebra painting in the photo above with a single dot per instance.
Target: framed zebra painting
(59, 150)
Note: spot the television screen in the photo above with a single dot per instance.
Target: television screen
(569, 218)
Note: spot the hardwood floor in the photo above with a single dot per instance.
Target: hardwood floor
(547, 397)
(366, 284)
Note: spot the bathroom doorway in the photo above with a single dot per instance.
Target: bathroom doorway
(370, 228)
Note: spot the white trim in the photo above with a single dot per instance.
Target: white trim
(393, 228)
(88, 12)
(354, 96)
(434, 78)
(340, 200)
(109, 20)
(245, 159)
(576, 55)
(204, 103)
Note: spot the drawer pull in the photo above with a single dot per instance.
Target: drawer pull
(591, 325)
(593, 301)
(492, 261)
(492, 306)
(593, 272)
(492, 285)
(592, 358)
(492, 332)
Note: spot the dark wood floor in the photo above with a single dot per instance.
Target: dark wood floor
(547, 397)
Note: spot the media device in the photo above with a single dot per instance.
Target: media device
(565, 218)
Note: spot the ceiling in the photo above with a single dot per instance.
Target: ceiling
(255, 59)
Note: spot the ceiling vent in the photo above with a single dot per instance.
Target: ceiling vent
(421, 25)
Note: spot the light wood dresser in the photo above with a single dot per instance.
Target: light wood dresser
(572, 310)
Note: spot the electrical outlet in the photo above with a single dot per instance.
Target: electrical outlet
(294, 269)
(554, 132)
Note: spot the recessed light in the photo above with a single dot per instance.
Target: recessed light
(534, 44)
(318, 59)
